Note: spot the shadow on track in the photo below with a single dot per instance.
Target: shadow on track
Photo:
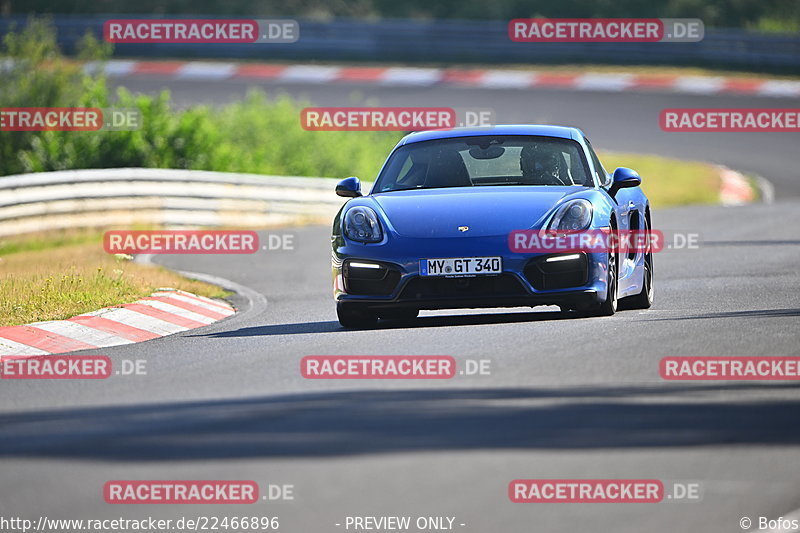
(332, 326)
(755, 313)
(370, 422)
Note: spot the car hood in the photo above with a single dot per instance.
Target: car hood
(488, 210)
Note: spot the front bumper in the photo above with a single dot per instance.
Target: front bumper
(384, 277)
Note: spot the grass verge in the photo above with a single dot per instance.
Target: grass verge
(54, 278)
(669, 182)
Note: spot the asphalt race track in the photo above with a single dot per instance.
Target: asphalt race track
(566, 398)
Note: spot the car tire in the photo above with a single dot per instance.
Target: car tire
(398, 314)
(643, 300)
(353, 316)
(608, 306)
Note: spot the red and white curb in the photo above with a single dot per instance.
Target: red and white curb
(736, 189)
(421, 77)
(165, 312)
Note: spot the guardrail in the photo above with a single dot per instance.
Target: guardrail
(123, 197)
(455, 41)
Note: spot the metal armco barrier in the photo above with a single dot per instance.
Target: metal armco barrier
(456, 40)
(124, 197)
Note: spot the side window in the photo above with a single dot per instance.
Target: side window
(403, 175)
(603, 178)
(403, 171)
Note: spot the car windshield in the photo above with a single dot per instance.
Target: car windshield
(487, 160)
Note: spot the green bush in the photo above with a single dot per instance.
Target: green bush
(259, 134)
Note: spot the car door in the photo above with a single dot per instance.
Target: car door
(627, 212)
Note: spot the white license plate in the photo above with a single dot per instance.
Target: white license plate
(460, 266)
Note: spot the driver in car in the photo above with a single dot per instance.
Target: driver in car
(542, 164)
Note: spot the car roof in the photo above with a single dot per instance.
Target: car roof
(563, 132)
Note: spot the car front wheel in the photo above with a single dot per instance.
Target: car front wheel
(608, 306)
(643, 300)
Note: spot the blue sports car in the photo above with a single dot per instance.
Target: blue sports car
(433, 233)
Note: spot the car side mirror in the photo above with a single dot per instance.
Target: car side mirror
(624, 178)
(349, 187)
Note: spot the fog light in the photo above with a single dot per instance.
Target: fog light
(354, 264)
(570, 257)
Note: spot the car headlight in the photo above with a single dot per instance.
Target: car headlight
(572, 216)
(361, 224)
